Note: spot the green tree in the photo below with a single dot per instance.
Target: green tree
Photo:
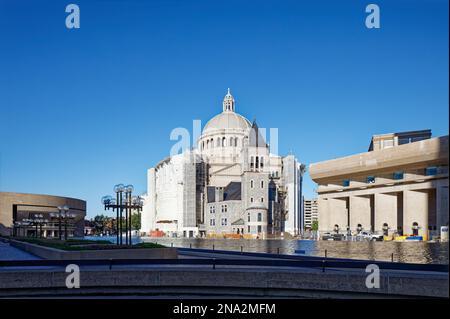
(315, 225)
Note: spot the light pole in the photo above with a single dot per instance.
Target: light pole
(124, 200)
(62, 212)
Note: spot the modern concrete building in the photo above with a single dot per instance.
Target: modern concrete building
(230, 184)
(399, 186)
(17, 212)
(310, 212)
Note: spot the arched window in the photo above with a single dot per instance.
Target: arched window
(262, 162)
(231, 141)
(251, 162)
(212, 143)
(262, 184)
(236, 142)
(262, 199)
(207, 144)
(257, 162)
(251, 199)
(251, 184)
(224, 141)
(203, 145)
(218, 142)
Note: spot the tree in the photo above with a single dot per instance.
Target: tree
(315, 225)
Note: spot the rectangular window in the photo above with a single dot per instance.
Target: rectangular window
(430, 171)
(398, 175)
(212, 222)
(248, 229)
(257, 162)
(346, 182)
(370, 179)
(259, 217)
(224, 221)
(262, 162)
(248, 217)
(259, 228)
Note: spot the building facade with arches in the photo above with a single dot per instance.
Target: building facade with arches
(229, 185)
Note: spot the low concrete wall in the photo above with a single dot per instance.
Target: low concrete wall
(207, 282)
(131, 253)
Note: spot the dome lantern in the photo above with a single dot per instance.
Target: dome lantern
(228, 102)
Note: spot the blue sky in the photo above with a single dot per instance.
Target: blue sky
(81, 110)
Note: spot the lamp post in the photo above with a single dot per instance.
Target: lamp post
(62, 212)
(124, 201)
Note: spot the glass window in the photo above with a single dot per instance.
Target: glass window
(262, 162)
(251, 199)
(430, 171)
(262, 199)
(346, 182)
(398, 175)
(257, 162)
(259, 228)
(370, 179)
(259, 217)
(248, 217)
(212, 222)
(262, 184)
(251, 184)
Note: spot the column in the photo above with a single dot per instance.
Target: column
(360, 212)
(385, 211)
(415, 205)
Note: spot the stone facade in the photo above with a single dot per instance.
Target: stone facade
(400, 186)
(230, 184)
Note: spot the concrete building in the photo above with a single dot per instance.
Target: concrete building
(399, 186)
(17, 209)
(310, 212)
(230, 184)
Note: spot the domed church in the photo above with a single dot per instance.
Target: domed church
(230, 185)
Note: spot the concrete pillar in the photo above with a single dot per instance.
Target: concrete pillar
(415, 205)
(323, 214)
(385, 212)
(360, 212)
(338, 213)
(441, 205)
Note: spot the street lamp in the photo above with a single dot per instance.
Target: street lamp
(62, 212)
(124, 200)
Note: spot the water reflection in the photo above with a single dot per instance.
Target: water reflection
(412, 252)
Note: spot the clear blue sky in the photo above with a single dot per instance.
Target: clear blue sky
(82, 110)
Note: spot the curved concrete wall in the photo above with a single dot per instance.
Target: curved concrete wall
(36, 202)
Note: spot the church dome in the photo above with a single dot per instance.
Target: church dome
(228, 119)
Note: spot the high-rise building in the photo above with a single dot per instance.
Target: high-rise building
(310, 212)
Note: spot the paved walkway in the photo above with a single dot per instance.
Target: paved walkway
(8, 252)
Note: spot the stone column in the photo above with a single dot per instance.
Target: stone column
(441, 205)
(360, 212)
(415, 205)
(385, 211)
(338, 213)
